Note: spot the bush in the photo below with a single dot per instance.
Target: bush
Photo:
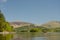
(34, 30)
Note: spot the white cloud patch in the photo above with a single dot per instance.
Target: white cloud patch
(3, 1)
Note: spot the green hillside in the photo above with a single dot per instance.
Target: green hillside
(48, 27)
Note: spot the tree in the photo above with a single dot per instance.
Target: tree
(2, 18)
(34, 30)
(4, 26)
(2, 21)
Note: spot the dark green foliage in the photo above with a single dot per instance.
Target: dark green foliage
(33, 30)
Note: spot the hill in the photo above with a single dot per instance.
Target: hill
(18, 24)
(52, 24)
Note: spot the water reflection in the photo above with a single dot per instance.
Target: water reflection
(39, 36)
(30, 36)
(6, 36)
(53, 36)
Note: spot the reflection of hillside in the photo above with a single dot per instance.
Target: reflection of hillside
(53, 36)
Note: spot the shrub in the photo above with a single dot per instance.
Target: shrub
(34, 30)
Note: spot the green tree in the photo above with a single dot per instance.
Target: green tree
(34, 30)
(4, 26)
(2, 21)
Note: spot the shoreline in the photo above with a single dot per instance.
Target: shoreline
(7, 32)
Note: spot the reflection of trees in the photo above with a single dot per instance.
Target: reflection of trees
(57, 29)
(6, 37)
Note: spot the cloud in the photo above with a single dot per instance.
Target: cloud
(3, 1)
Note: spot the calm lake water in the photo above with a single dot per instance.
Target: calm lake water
(30, 36)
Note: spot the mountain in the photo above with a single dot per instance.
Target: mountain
(17, 24)
(51, 24)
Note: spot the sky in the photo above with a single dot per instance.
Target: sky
(33, 11)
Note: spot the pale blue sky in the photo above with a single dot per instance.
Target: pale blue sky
(33, 11)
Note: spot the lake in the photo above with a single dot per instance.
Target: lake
(30, 36)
